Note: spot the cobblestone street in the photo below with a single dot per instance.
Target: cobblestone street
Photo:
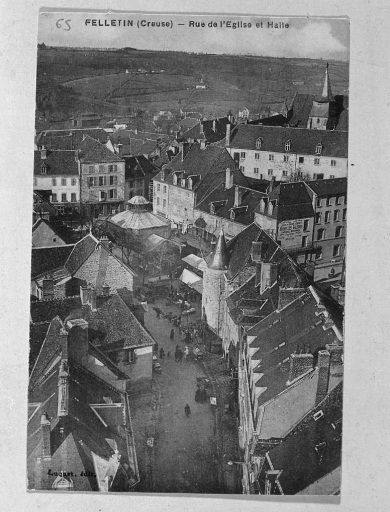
(189, 455)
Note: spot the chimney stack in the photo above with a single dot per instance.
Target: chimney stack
(323, 365)
(46, 441)
(227, 141)
(120, 151)
(214, 126)
(48, 289)
(106, 290)
(238, 193)
(184, 150)
(78, 340)
(299, 364)
(43, 153)
(269, 275)
(228, 179)
(271, 185)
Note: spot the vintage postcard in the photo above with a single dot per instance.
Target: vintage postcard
(188, 254)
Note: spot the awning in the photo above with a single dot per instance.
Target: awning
(192, 280)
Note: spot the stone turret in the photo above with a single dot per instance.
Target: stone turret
(213, 298)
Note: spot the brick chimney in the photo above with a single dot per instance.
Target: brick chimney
(323, 365)
(299, 364)
(78, 340)
(45, 432)
(269, 275)
(120, 151)
(238, 193)
(47, 289)
(227, 141)
(288, 295)
(228, 179)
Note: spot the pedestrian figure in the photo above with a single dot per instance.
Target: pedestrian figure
(186, 352)
(187, 410)
(162, 353)
(172, 336)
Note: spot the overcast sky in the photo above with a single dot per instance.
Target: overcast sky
(326, 38)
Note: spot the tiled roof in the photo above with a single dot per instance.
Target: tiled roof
(293, 202)
(203, 130)
(56, 228)
(81, 251)
(48, 259)
(330, 187)
(303, 141)
(69, 139)
(46, 310)
(302, 457)
(57, 163)
(91, 151)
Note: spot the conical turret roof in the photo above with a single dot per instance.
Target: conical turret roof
(220, 258)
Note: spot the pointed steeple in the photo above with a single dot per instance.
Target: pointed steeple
(220, 257)
(326, 91)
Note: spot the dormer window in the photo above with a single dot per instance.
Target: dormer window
(319, 148)
(44, 169)
(232, 215)
(287, 146)
(183, 182)
(212, 208)
(259, 143)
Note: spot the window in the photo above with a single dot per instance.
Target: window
(158, 187)
(336, 250)
(318, 120)
(305, 241)
(257, 156)
(63, 198)
(318, 218)
(339, 231)
(73, 182)
(112, 193)
(242, 154)
(90, 181)
(300, 174)
(316, 161)
(73, 198)
(336, 215)
(43, 169)
(164, 203)
(63, 182)
(113, 180)
(54, 182)
(259, 142)
(112, 168)
(339, 200)
(102, 181)
(256, 170)
(165, 189)
(318, 148)
(242, 168)
(333, 163)
(319, 202)
(285, 173)
(285, 158)
(270, 172)
(321, 234)
(332, 176)
(327, 216)
(102, 195)
(271, 158)
(345, 214)
(318, 254)
(54, 198)
(328, 201)
(91, 169)
(287, 146)
(101, 168)
(158, 201)
(305, 225)
(301, 160)
(318, 176)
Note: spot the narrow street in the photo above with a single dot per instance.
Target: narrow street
(186, 456)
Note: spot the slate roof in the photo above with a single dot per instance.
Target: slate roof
(330, 187)
(138, 220)
(300, 110)
(81, 251)
(138, 167)
(56, 228)
(293, 202)
(69, 139)
(297, 457)
(303, 141)
(203, 130)
(243, 214)
(295, 328)
(113, 324)
(48, 259)
(91, 151)
(57, 163)
(46, 310)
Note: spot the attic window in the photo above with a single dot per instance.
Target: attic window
(318, 148)
(43, 169)
(259, 143)
(287, 147)
(318, 415)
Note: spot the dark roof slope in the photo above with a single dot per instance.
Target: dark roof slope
(293, 201)
(81, 251)
(57, 163)
(48, 259)
(330, 187)
(138, 166)
(204, 130)
(69, 139)
(303, 141)
(46, 310)
(92, 151)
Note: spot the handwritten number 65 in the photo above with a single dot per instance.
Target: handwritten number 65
(59, 24)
